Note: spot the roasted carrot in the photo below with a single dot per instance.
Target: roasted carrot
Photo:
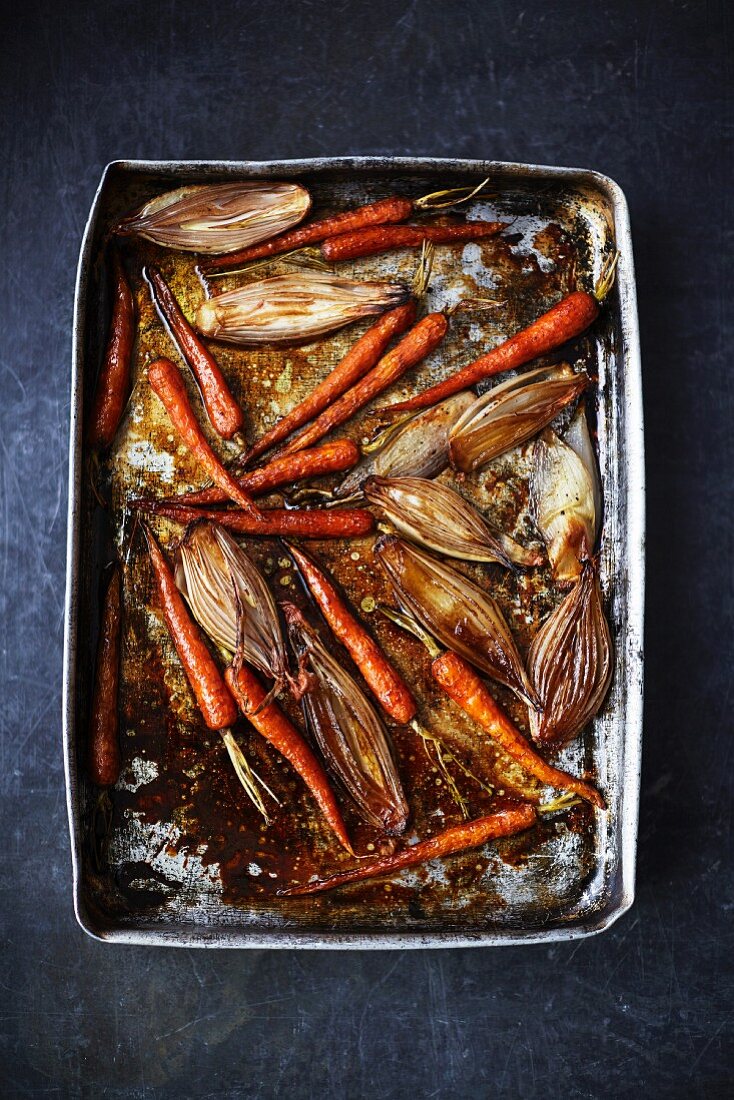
(113, 383)
(104, 747)
(336, 523)
(374, 213)
(462, 684)
(166, 380)
(329, 458)
(207, 683)
(458, 838)
(276, 728)
(563, 322)
(385, 683)
(422, 339)
(385, 238)
(224, 413)
(359, 359)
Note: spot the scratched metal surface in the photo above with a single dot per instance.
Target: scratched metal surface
(188, 860)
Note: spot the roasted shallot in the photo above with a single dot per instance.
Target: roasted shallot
(512, 413)
(219, 217)
(437, 517)
(570, 663)
(348, 730)
(460, 613)
(418, 448)
(566, 497)
(294, 308)
(230, 600)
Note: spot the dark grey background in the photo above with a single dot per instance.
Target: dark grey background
(641, 91)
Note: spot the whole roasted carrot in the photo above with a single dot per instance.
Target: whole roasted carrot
(104, 747)
(374, 213)
(459, 838)
(224, 413)
(113, 383)
(563, 322)
(386, 684)
(275, 727)
(359, 359)
(212, 695)
(422, 339)
(166, 380)
(329, 458)
(336, 523)
(385, 238)
(462, 684)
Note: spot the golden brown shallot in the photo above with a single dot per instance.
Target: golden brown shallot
(418, 448)
(348, 730)
(231, 601)
(570, 663)
(460, 613)
(566, 497)
(512, 413)
(219, 217)
(294, 308)
(437, 517)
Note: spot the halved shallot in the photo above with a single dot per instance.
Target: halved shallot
(437, 517)
(347, 730)
(460, 613)
(231, 601)
(418, 448)
(566, 497)
(570, 663)
(295, 307)
(219, 217)
(512, 413)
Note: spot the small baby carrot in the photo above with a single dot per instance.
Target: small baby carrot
(166, 380)
(336, 523)
(113, 383)
(215, 701)
(104, 747)
(275, 727)
(360, 358)
(384, 681)
(458, 838)
(386, 238)
(224, 413)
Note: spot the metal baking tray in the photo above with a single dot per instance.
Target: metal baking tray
(187, 864)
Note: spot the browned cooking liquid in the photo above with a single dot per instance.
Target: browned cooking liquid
(188, 809)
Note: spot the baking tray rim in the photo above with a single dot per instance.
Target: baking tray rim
(632, 428)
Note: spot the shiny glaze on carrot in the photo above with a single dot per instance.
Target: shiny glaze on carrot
(458, 838)
(215, 702)
(383, 680)
(224, 413)
(104, 746)
(113, 382)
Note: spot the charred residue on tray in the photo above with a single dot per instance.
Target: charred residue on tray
(185, 839)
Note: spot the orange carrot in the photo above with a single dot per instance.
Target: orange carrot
(386, 238)
(374, 213)
(359, 359)
(276, 728)
(215, 702)
(458, 838)
(386, 684)
(461, 683)
(113, 383)
(566, 320)
(336, 523)
(422, 339)
(224, 413)
(166, 380)
(104, 747)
